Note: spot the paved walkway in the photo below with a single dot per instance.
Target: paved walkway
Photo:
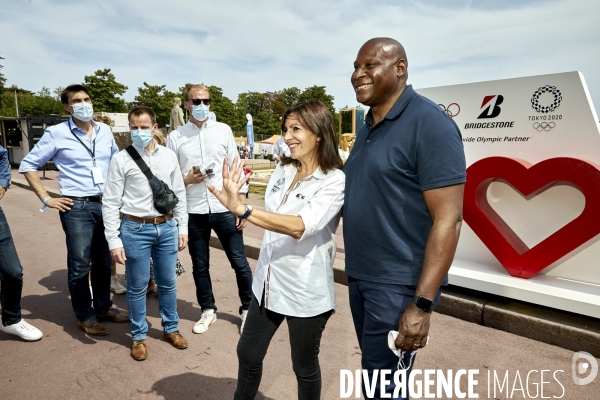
(67, 364)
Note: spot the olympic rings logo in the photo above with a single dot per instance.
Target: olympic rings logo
(543, 126)
(536, 96)
(452, 110)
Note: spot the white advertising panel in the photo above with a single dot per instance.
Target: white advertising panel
(508, 127)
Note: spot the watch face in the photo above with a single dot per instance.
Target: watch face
(424, 303)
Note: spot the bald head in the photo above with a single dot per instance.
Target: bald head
(389, 47)
(380, 73)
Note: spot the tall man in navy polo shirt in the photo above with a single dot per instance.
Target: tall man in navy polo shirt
(403, 208)
(81, 149)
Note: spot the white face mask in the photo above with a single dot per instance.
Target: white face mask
(392, 336)
(83, 111)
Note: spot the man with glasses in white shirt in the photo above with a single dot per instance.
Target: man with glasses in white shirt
(81, 149)
(201, 145)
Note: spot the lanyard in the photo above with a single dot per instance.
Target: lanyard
(93, 151)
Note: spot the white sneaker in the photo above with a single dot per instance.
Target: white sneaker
(244, 315)
(115, 286)
(208, 317)
(24, 330)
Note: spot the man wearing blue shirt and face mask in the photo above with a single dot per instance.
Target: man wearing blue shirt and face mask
(81, 149)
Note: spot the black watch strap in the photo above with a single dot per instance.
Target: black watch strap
(423, 303)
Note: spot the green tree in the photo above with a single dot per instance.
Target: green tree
(30, 104)
(320, 93)
(104, 91)
(260, 106)
(225, 110)
(159, 99)
(2, 82)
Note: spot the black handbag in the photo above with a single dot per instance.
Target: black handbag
(165, 199)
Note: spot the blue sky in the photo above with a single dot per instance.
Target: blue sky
(270, 45)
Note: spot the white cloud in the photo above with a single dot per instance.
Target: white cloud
(270, 45)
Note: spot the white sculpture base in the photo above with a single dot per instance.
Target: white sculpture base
(550, 291)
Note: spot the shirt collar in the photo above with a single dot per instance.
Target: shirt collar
(207, 124)
(94, 124)
(398, 106)
(143, 149)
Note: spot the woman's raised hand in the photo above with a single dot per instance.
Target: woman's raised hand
(233, 180)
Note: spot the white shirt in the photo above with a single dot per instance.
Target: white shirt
(127, 190)
(281, 148)
(195, 147)
(297, 274)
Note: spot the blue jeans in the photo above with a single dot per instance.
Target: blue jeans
(141, 241)
(11, 275)
(84, 230)
(376, 310)
(200, 226)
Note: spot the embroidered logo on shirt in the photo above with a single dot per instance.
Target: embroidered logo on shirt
(278, 185)
(300, 196)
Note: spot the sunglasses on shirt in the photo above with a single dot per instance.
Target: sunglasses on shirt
(197, 102)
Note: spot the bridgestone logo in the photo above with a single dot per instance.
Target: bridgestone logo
(479, 125)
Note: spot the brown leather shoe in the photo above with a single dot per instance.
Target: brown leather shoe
(175, 338)
(152, 288)
(92, 327)
(114, 315)
(138, 350)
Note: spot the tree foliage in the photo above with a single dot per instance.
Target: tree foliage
(104, 91)
(30, 104)
(158, 98)
(2, 78)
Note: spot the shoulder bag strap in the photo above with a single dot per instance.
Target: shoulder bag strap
(138, 160)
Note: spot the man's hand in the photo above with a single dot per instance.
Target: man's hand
(413, 329)
(240, 225)
(191, 178)
(2, 191)
(118, 255)
(183, 241)
(60, 203)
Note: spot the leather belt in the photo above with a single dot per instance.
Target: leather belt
(95, 199)
(150, 220)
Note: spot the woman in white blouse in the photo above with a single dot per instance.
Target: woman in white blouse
(294, 275)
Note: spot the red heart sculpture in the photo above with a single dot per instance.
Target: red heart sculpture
(518, 259)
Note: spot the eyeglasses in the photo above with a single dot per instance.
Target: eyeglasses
(197, 102)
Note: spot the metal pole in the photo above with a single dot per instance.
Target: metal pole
(16, 101)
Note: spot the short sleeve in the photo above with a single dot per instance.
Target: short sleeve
(440, 153)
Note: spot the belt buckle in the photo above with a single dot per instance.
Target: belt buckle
(155, 218)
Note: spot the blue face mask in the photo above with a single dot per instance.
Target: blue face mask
(200, 112)
(141, 137)
(83, 111)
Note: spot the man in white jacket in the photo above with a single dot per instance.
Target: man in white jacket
(201, 145)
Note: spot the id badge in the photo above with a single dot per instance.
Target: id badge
(97, 175)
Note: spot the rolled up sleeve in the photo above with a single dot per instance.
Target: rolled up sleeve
(180, 211)
(43, 151)
(324, 205)
(111, 204)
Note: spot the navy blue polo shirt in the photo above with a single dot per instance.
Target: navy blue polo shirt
(416, 147)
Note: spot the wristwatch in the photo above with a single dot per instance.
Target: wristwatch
(247, 213)
(423, 303)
